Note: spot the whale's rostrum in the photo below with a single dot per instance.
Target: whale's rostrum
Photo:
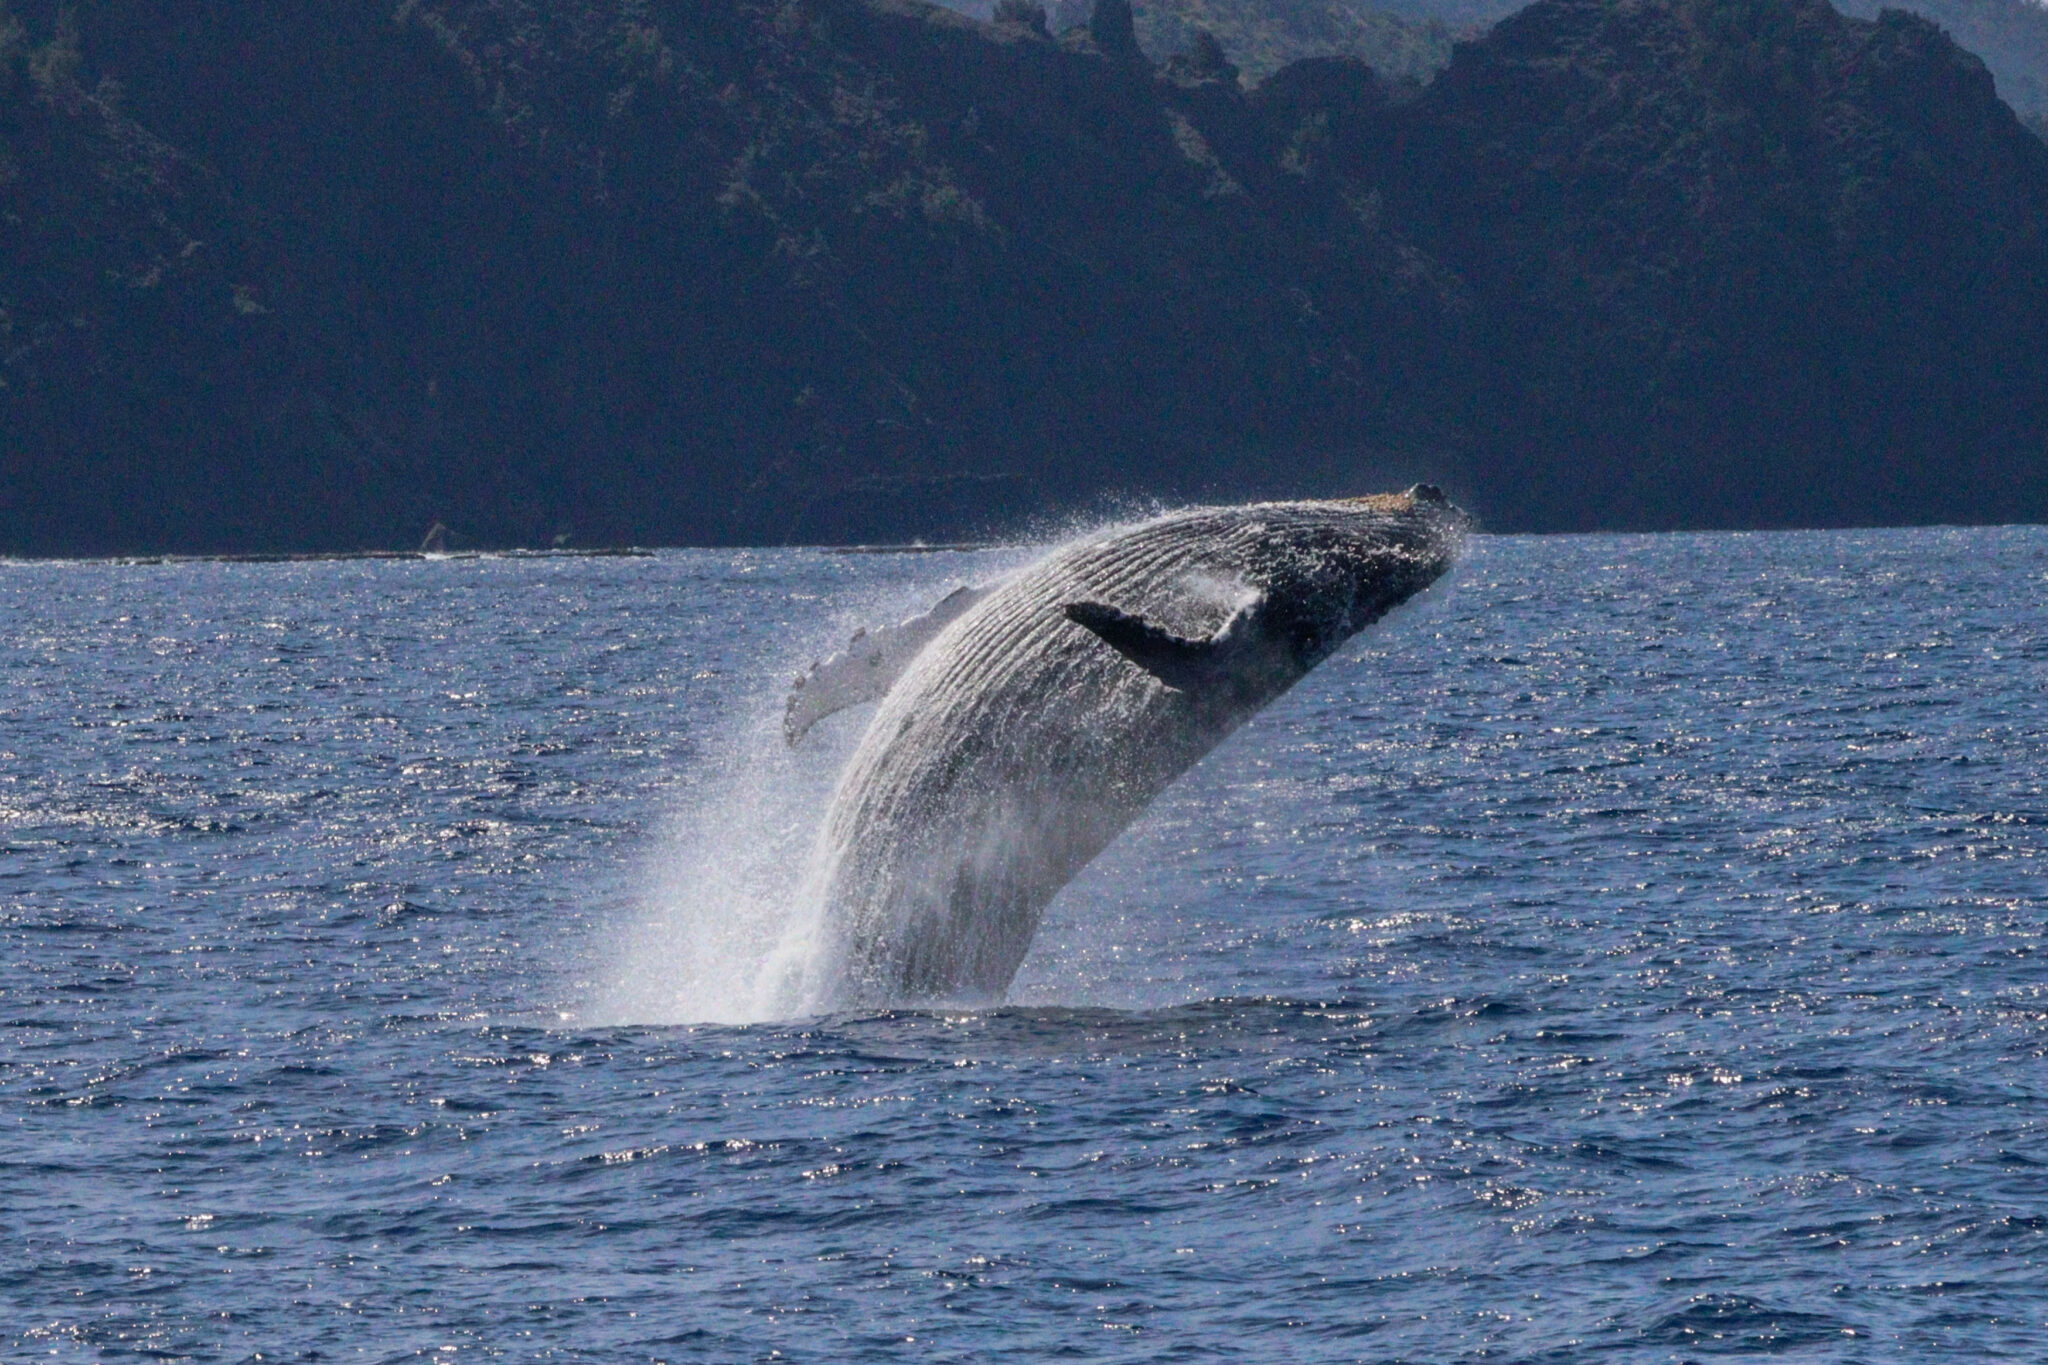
(1021, 731)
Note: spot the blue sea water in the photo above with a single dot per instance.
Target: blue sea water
(1634, 952)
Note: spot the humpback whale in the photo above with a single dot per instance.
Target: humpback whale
(1023, 726)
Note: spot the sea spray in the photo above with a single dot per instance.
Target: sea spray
(724, 930)
(722, 888)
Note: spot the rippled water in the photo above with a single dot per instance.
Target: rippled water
(1633, 953)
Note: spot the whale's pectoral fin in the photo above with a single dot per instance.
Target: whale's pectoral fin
(872, 663)
(1176, 660)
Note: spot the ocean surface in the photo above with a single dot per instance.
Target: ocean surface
(1631, 952)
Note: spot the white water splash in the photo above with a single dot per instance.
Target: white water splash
(724, 889)
(730, 911)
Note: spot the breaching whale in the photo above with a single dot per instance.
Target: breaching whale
(1022, 727)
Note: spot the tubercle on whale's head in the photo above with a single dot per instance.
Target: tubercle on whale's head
(1439, 526)
(1420, 497)
(1420, 522)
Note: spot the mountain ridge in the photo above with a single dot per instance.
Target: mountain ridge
(607, 271)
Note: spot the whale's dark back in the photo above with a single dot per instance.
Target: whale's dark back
(1019, 744)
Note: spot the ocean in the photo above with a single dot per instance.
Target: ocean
(1632, 951)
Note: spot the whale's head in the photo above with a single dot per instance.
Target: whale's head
(1301, 578)
(1323, 571)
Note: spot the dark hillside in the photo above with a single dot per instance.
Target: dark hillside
(318, 275)
(767, 271)
(1758, 258)
(118, 315)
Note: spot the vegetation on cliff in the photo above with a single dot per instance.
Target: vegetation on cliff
(1403, 40)
(318, 275)
(1261, 36)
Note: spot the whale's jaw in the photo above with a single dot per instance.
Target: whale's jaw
(1034, 728)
